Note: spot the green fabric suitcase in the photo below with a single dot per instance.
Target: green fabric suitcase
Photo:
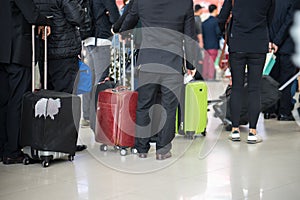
(195, 110)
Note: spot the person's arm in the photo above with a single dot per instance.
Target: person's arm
(283, 32)
(73, 12)
(190, 39)
(224, 14)
(31, 12)
(113, 10)
(131, 19)
(119, 22)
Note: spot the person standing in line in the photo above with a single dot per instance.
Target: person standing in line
(165, 25)
(198, 10)
(98, 51)
(64, 45)
(284, 68)
(211, 39)
(16, 18)
(248, 44)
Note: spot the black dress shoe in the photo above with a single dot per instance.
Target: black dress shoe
(163, 156)
(269, 115)
(286, 117)
(7, 160)
(81, 147)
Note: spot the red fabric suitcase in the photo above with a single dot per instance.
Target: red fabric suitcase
(116, 117)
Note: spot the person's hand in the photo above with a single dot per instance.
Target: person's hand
(191, 72)
(274, 47)
(41, 29)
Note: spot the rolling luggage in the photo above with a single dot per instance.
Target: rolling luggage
(50, 121)
(193, 116)
(116, 114)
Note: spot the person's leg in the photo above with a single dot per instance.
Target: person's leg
(255, 67)
(171, 89)
(4, 94)
(237, 67)
(287, 70)
(62, 74)
(213, 53)
(102, 59)
(147, 90)
(86, 98)
(19, 84)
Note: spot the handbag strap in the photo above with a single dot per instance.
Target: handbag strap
(226, 37)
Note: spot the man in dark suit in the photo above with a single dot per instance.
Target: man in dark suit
(15, 72)
(284, 68)
(165, 25)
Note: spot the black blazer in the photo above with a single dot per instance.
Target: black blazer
(281, 24)
(249, 32)
(16, 17)
(105, 13)
(165, 25)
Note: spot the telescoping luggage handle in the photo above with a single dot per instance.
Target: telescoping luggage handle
(34, 61)
(289, 81)
(122, 67)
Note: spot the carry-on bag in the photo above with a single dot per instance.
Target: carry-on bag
(193, 115)
(50, 121)
(116, 113)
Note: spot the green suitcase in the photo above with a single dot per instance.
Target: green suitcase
(195, 110)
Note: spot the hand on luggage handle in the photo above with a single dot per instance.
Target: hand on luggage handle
(43, 29)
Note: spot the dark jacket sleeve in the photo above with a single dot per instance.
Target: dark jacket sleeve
(131, 19)
(73, 12)
(31, 12)
(118, 24)
(271, 13)
(113, 10)
(224, 14)
(283, 32)
(190, 44)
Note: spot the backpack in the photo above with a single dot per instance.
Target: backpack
(87, 28)
(84, 81)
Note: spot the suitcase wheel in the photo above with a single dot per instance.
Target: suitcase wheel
(123, 152)
(204, 133)
(45, 163)
(71, 158)
(26, 161)
(103, 147)
(228, 127)
(134, 151)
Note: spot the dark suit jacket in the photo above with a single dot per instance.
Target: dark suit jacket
(15, 35)
(250, 21)
(281, 24)
(165, 25)
(105, 14)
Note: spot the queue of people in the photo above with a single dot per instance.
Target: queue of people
(257, 27)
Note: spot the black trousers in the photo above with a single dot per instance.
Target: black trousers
(170, 86)
(15, 81)
(282, 71)
(255, 63)
(61, 74)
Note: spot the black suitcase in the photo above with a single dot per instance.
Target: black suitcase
(50, 122)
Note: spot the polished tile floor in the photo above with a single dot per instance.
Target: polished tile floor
(210, 167)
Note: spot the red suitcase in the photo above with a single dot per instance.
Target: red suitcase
(116, 116)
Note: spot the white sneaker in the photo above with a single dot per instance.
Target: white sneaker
(253, 138)
(235, 136)
(85, 123)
